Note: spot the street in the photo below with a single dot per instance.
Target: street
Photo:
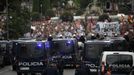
(8, 71)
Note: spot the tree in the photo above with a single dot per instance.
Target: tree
(46, 5)
(103, 17)
(41, 6)
(36, 6)
(35, 16)
(50, 13)
(66, 16)
(84, 3)
(18, 19)
(2, 5)
(77, 2)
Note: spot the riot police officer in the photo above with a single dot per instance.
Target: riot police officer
(51, 70)
(60, 66)
(82, 70)
(82, 39)
(50, 38)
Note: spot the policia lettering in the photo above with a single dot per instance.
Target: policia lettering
(30, 63)
(120, 66)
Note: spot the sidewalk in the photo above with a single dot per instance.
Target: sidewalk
(5, 69)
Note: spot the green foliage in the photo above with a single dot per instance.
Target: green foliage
(84, 3)
(54, 3)
(35, 16)
(103, 17)
(18, 20)
(41, 6)
(46, 5)
(67, 16)
(124, 9)
(79, 12)
(77, 2)
(36, 6)
(2, 5)
(50, 13)
(14, 6)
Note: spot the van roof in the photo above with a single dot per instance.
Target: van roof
(118, 52)
(97, 41)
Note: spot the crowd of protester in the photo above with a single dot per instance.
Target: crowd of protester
(57, 28)
(78, 27)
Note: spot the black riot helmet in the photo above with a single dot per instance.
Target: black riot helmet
(50, 38)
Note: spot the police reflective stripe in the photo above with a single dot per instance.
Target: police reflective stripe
(93, 70)
(91, 65)
(30, 64)
(24, 68)
(120, 65)
(67, 57)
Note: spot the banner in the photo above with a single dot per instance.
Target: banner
(109, 28)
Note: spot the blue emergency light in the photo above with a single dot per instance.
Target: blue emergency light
(47, 44)
(39, 44)
(69, 42)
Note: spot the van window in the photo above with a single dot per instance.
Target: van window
(119, 45)
(119, 59)
(2, 48)
(31, 50)
(64, 47)
(92, 52)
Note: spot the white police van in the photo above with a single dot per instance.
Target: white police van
(117, 62)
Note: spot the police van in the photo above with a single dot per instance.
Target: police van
(92, 52)
(117, 44)
(64, 49)
(117, 63)
(29, 56)
(93, 49)
(4, 53)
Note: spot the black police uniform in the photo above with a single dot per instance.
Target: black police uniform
(51, 71)
(82, 70)
(60, 66)
(82, 39)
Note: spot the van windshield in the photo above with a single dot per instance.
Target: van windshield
(119, 45)
(119, 59)
(2, 48)
(31, 50)
(92, 52)
(63, 47)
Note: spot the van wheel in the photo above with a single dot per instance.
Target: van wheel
(19, 73)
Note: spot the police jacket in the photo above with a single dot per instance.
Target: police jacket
(51, 71)
(82, 70)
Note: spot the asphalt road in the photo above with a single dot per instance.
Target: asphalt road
(8, 71)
